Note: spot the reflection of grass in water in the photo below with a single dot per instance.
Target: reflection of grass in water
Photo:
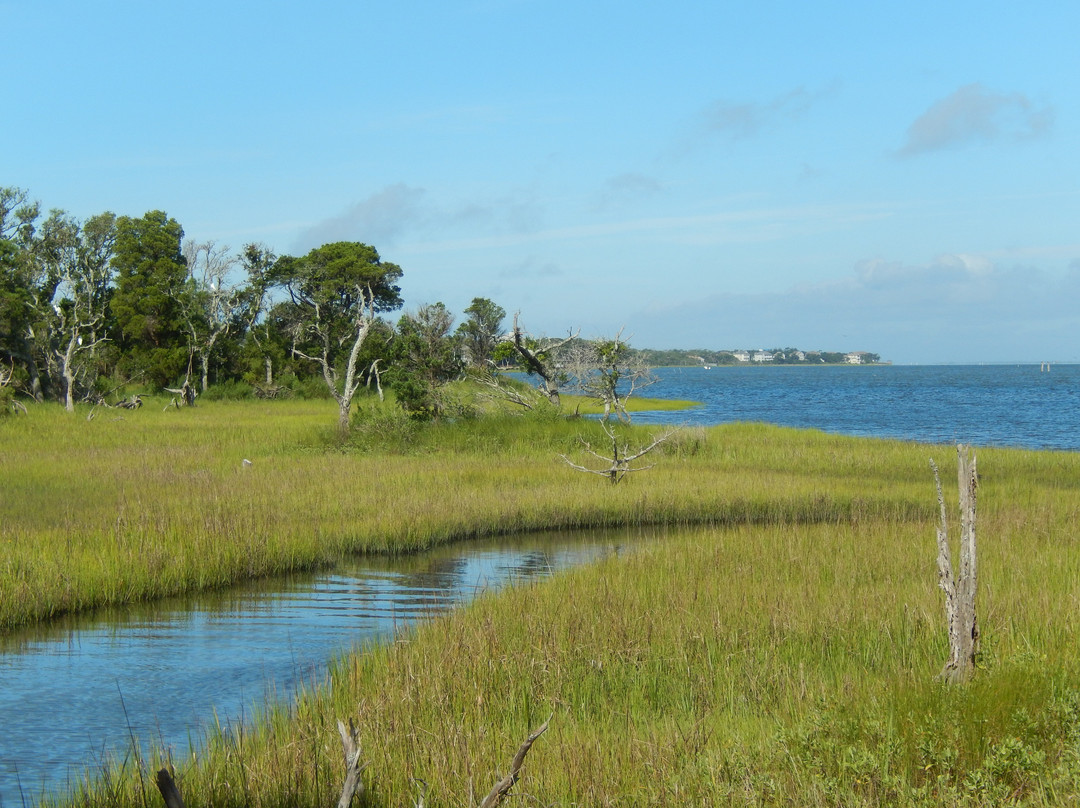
(785, 655)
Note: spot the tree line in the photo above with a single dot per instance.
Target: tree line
(89, 308)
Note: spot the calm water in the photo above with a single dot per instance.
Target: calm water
(77, 690)
(986, 405)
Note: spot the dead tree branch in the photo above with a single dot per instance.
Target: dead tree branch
(6, 375)
(620, 460)
(959, 588)
(350, 746)
(500, 390)
(169, 792)
(502, 788)
(186, 394)
(539, 358)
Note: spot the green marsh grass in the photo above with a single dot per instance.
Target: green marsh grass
(777, 642)
(152, 503)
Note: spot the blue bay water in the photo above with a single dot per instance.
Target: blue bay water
(985, 405)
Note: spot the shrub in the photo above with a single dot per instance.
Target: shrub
(231, 390)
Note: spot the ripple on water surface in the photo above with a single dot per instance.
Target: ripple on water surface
(78, 689)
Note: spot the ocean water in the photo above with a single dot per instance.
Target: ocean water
(985, 405)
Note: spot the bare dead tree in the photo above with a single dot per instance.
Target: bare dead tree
(502, 788)
(213, 305)
(70, 298)
(620, 461)
(609, 371)
(959, 588)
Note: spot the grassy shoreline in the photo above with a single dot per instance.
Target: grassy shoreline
(779, 646)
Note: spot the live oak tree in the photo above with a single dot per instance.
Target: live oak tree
(15, 300)
(151, 275)
(25, 284)
(480, 332)
(425, 355)
(336, 292)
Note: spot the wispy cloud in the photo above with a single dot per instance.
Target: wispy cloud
(757, 225)
(402, 212)
(377, 220)
(628, 187)
(532, 268)
(972, 114)
(738, 120)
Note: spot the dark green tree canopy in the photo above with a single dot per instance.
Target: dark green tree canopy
(147, 304)
(340, 276)
(335, 294)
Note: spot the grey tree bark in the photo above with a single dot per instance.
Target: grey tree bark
(959, 587)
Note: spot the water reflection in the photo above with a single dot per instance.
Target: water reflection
(79, 688)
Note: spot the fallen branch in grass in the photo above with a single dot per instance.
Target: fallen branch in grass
(353, 785)
(502, 788)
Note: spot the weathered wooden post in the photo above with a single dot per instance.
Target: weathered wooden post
(959, 589)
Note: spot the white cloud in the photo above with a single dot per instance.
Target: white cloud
(972, 114)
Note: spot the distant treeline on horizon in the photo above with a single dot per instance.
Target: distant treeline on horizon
(775, 356)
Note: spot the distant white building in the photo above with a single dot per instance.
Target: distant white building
(762, 356)
(855, 357)
(741, 356)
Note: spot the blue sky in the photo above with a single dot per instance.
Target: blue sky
(902, 178)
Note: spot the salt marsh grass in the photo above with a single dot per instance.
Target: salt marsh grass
(154, 503)
(776, 642)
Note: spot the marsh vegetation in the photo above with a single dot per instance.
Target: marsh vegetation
(780, 645)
